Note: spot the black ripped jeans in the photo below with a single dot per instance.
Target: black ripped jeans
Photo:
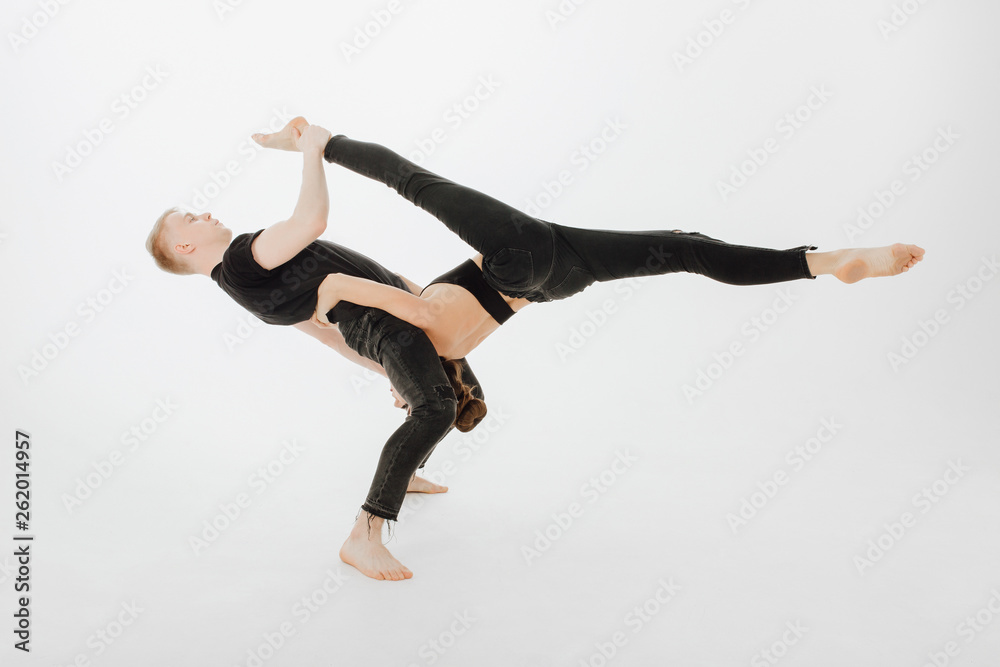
(543, 261)
(414, 368)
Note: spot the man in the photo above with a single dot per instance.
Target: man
(274, 273)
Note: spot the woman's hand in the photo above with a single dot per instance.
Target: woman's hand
(398, 401)
(327, 296)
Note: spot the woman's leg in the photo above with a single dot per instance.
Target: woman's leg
(517, 248)
(542, 261)
(480, 220)
(585, 256)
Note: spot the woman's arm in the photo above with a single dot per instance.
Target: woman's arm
(338, 287)
(415, 288)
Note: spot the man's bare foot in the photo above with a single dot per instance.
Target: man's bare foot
(368, 554)
(421, 485)
(283, 140)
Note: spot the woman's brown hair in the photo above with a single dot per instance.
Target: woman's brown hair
(471, 409)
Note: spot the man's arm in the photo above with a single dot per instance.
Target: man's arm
(331, 337)
(283, 240)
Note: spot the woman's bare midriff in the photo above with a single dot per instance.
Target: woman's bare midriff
(459, 323)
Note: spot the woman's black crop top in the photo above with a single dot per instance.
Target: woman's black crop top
(470, 276)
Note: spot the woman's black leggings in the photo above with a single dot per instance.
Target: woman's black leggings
(542, 261)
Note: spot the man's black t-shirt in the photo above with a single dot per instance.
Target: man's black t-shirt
(286, 294)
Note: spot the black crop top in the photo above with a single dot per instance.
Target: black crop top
(470, 276)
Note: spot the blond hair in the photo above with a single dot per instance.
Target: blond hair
(162, 255)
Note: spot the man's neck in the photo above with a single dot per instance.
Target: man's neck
(209, 262)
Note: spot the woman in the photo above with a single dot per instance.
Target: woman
(523, 259)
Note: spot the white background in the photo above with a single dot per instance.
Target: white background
(559, 419)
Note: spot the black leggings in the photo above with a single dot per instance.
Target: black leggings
(543, 261)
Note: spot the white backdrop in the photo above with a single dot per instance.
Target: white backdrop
(639, 495)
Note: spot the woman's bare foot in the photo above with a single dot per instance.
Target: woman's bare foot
(853, 264)
(367, 553)
(421, 485)
(284, 139)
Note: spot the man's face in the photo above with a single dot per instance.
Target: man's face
(192, 231)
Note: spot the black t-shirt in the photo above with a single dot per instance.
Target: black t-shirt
(286, 294)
